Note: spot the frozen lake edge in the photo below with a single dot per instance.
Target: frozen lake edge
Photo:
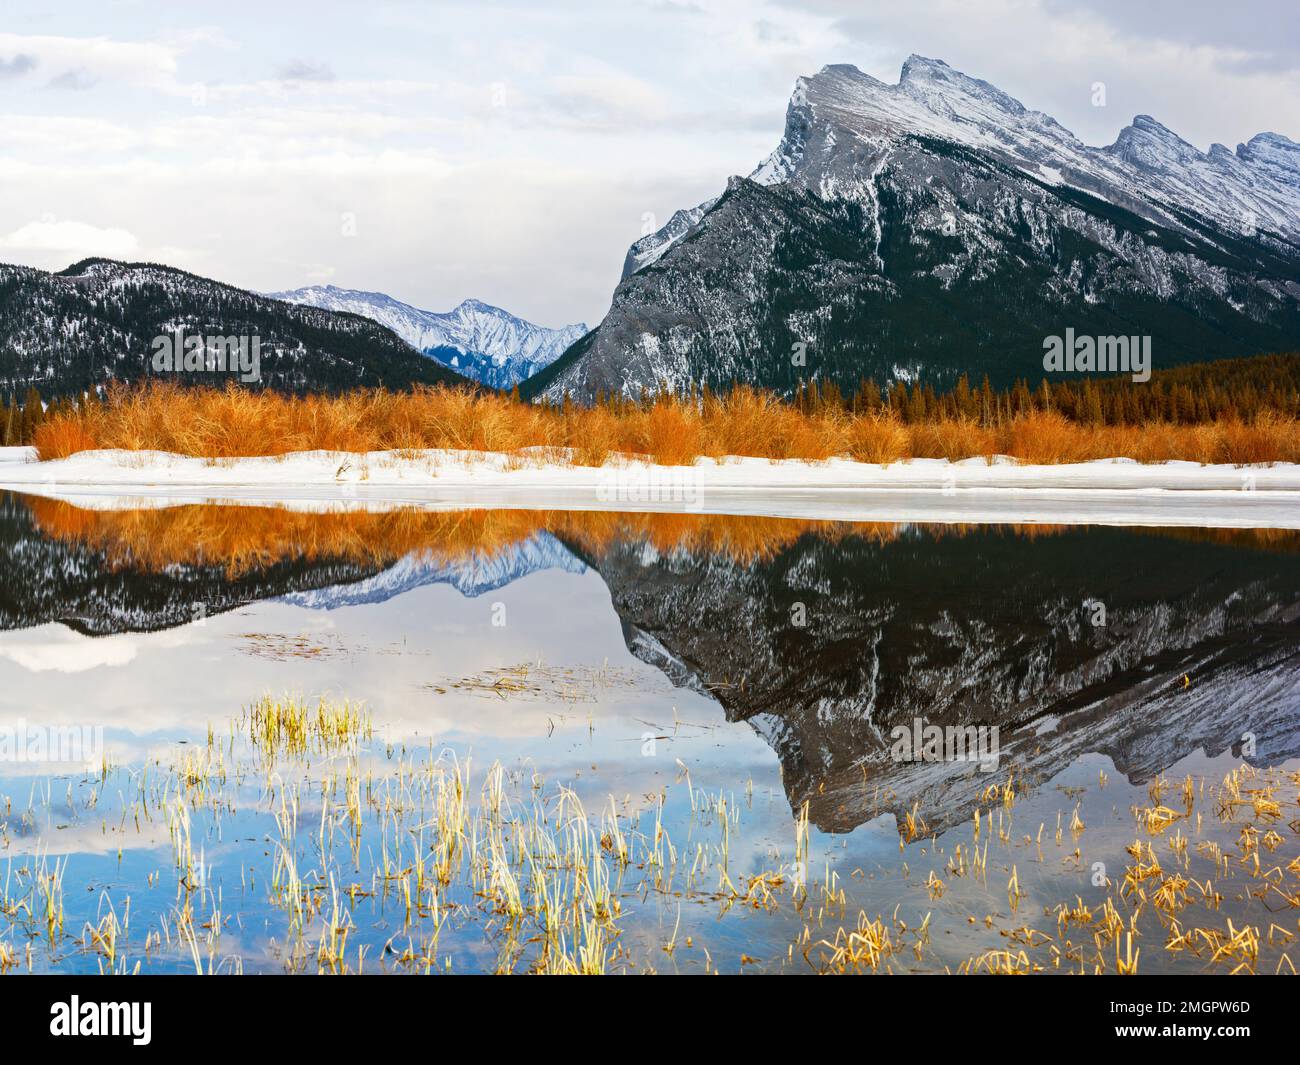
(996, 490)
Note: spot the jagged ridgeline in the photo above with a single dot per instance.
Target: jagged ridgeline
(97, 321)
(938, 227)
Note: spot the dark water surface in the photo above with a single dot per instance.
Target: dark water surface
(615, 744)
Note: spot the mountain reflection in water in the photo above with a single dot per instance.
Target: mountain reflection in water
(1143, 645)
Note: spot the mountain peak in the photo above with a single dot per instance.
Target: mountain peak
(1274, 139)
(919, 66)
(1274, 154)
(479, 307)
(925, 78)
(477, 339)
(96, 322)
(1147, 124)
(831, 69)
(1151, 145)
(841, 124)
(833, 85)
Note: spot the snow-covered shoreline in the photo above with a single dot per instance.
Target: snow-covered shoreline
(1118, 491)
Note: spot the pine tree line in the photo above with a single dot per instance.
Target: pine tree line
(19, 420)
(1242, 389)
(1187, 395)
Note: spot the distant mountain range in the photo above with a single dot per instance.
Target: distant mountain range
(475, 339)
(471, 576)
(96, 322)
(938, 226)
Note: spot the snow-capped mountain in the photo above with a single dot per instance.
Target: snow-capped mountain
(1148, 170)
(472, 576)
(475, 339)
(938, 225)
(96, 322)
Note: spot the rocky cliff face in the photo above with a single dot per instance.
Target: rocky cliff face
(937, 226)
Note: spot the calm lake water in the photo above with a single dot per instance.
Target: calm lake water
(629, 743)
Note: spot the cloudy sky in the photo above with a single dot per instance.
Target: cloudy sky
(511, 151)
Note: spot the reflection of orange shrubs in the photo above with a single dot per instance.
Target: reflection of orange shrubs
(242, 539)
(236, 422)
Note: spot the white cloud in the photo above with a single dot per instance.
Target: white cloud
(605, 97)
(44, 135)
(67, 652)
(87, 60)
(78, 240)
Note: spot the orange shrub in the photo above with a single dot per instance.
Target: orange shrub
(59, 437)
(1047, 437)
(670, 433)
(594, 435)
(1268, 440)
(740, 423)
(878, 438)
(952, 440)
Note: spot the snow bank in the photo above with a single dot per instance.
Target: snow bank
(1116, 491)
